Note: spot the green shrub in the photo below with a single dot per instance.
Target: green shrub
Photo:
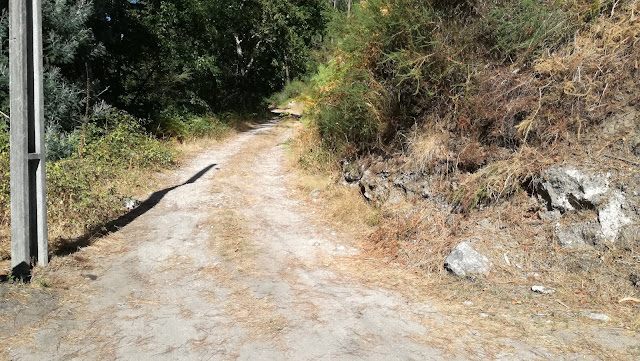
(87, 191)
(125, 144)
(60, 144)
(389, 66)
(175, 125)
(291, 91)
(348, 111)
(521, 29)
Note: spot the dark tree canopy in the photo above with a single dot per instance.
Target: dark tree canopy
(155, 57)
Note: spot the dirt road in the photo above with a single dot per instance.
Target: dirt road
(226, 265)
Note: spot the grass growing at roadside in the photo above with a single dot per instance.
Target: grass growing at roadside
(88, 188)
(292, 91)
(318, 167)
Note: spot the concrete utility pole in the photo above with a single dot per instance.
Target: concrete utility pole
(28, 183)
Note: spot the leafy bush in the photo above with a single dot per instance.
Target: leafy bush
(60, 144)
(348, 108)
(125, 144)
(388, 67)
(86, 191)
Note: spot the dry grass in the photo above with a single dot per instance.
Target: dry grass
(565, 93)
(498, 180)
(520, 122)
(135, 182)
(316, 170)
(415, 236)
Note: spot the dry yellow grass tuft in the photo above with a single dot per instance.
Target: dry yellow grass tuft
(317, 170)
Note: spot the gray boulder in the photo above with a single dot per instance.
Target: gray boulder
(568, 189)
(578, 235)
(464, 261)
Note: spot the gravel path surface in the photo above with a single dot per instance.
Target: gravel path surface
(227, 266)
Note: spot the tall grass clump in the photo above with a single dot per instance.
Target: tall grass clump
(521, 29)
(295, 89)
(182, 126)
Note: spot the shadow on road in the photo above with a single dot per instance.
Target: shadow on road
(70, 246)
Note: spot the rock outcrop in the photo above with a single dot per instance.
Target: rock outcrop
(568, 189)
(383, 181)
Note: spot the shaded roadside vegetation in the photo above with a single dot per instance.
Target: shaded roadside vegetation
(126, 80)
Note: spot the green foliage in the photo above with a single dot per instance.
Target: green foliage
(347, 111)
(389, 65)
(60, 144)
(125, 144)
(68, 43)
(395, 63)
(83, 192)
(521, 29)
(192, 126)
(291, 91)
(202, 56)
(143, 57)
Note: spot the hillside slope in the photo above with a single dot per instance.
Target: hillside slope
(511, 126)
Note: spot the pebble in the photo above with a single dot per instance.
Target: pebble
(598, 317)
(543, 290)
(468, 303)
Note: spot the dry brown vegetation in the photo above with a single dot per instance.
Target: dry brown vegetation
(517, 120)
(577, 104)
(485, 151)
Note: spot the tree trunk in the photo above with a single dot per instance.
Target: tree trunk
(348, 8)
(286, 70)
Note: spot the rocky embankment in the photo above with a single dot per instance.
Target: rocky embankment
(588, 208)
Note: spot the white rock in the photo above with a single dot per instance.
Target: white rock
(612, 218)
(598, 317)
(464, 260)
(543, 290)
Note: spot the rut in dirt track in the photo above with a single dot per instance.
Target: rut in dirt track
(226, 266)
